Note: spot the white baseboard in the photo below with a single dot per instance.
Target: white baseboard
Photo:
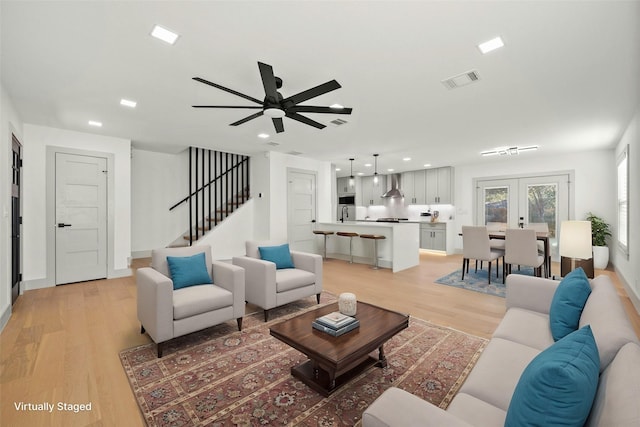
(29, 285)
(141, 254)
(116, 274)
(631, 293)
(4, 318)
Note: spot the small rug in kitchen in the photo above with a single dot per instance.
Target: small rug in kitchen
(223, 377)
(477, 280)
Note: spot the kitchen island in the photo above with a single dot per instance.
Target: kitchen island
(398, 251)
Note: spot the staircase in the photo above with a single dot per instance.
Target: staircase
(218, 185)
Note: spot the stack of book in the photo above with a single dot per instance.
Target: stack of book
(336, 323)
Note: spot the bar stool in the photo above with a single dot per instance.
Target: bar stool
(350, 235)
(325, 234)
(375, 238)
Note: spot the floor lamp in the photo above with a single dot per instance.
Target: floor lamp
(575, 245)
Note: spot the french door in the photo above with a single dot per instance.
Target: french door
(521, 201)
(16, 218)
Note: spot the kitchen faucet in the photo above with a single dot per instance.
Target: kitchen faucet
(345, 210)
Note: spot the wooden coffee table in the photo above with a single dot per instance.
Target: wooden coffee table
(333, 361)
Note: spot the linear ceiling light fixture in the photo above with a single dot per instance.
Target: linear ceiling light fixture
(490, 45)
(508, 151)
(165, 35)
(95, 123)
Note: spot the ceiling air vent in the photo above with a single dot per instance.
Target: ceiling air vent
(339, 122)
(461, 79)
(273, 144)
(294, 153)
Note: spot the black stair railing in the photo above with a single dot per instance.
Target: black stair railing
(218, 184)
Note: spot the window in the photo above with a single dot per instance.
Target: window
(623, 202)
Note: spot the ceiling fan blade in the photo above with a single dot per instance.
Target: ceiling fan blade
(313, 109)
(226, 89)
(227, 106)
(277, 122)
(246, 119)
(268, 82)
(313, 92)
(305, 120)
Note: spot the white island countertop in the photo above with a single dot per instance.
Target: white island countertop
(399, 249)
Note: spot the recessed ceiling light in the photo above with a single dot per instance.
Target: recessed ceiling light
(94, 123)
(128, 103)
(490, 45)
(389, 170)
(338, 169)
(164, 34)
(427, 165)
(406, 159)
(360, 173)
(263, 135)
(336, 106)
(367, 165)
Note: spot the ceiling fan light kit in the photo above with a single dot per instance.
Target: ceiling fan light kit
(275, 106)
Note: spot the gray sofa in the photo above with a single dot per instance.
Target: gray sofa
(524, 332)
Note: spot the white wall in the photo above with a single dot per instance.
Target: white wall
(10, 123)
(595, 182)
(158, 181)
(36, 141)
(629, 268)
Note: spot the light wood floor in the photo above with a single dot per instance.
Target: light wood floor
(61, 344)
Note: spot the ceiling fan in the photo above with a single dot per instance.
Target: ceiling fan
(277, 107)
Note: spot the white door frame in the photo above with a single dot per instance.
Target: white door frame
(290, 202)
(50, 217)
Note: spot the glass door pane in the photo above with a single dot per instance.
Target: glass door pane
(497, 203)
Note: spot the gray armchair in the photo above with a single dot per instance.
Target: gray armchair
(268, 287)
(165, 313)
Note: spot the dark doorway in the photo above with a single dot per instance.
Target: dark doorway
(16, 219)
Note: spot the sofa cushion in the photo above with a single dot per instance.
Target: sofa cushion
(568, 302)
(293, 278)
(616, 402)
(609, 322)
(279, 255)
(188, 270)
(496, 374)
(525, 327)
(559, 385)
(195, 300)
(475, 411)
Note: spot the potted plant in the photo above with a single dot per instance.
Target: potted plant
(599, 233)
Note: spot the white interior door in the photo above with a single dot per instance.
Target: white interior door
(301, 210)
(81, 218)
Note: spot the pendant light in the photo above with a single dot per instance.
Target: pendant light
(352, 180)
(375, 174)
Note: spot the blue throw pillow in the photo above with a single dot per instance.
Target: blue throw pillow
(568, 302)
(189, 270)
(558, 387)
(279, 255)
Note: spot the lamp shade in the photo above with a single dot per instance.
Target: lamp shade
(575, 239)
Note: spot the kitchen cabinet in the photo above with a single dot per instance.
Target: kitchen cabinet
(413, 186)
(343, 187)
(433, 236)
(370, 193)
(439, 182)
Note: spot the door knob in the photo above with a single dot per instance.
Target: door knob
(62, 225)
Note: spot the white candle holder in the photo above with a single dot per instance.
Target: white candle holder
(347, 304)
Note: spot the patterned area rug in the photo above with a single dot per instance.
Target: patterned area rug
(222, 377)
(477, 281)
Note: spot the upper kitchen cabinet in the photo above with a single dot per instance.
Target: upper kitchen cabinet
(343, 186)
(414, 188)
(370, 193)
(439, 183)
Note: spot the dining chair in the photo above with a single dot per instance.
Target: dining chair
(521, 248)
(496, 244)
(475, 245)
(540, 227)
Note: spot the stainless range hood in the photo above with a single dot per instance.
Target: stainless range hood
(395, 191)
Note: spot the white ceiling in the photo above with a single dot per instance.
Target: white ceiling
(567, 78)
